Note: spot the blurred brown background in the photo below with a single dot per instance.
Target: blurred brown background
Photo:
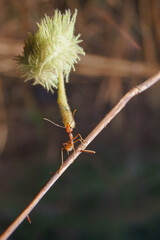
(114, 194)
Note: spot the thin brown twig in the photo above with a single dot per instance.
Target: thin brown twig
(105, 121)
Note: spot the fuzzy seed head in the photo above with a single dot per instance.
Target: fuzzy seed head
(53, 49)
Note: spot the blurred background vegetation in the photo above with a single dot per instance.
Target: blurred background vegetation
(114, 194)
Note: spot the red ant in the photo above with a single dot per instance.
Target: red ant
(69, 146)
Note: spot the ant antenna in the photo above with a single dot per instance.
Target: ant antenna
(73, 115)
(46, 119)
(74, 112)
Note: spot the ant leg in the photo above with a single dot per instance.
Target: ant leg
(82, 141)
(61, 159)
(73, 148)
(88, 151)
(78, 141)
(80, 137)
(29, 220)
(62, 156)
(62, 162)
(66, 143)
(85, 150)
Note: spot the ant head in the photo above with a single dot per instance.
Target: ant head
(68, 128)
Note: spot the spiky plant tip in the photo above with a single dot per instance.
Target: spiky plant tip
(54, 48)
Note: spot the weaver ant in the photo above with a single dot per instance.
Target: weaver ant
(69, 145)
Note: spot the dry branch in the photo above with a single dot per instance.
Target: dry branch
(104, 122)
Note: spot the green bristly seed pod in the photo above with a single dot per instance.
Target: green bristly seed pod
(50, 55)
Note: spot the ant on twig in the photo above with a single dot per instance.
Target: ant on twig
(69, 145)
